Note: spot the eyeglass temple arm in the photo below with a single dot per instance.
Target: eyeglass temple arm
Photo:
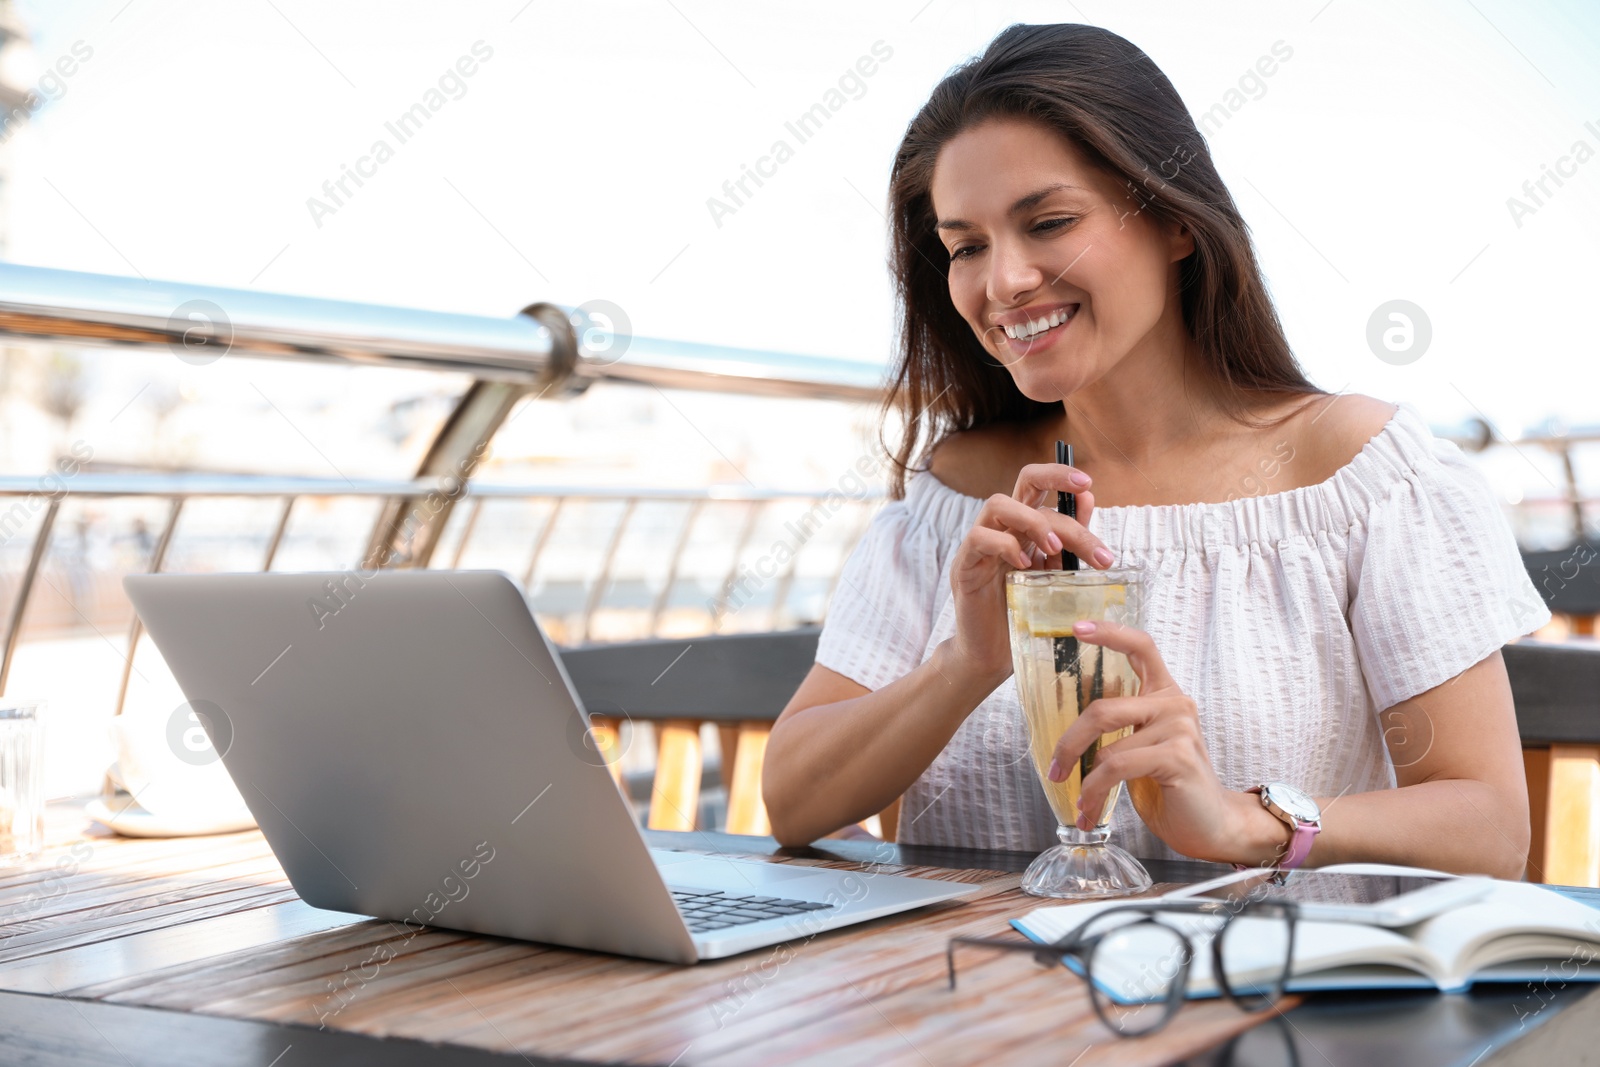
(1044, 953)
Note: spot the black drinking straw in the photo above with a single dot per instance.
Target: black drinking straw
(1066, 648)
(1068, 656)
(1066, 503)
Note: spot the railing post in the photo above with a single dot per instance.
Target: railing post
(20, 606)
(780, 595)
(598, 591)
(732, 580)
(1573, 495)
(454, 454)
(157, 558)
(663, 597)
(278, 532)
(459, 446)
(544, 539)
(466, 533)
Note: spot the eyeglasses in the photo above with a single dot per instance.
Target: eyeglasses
(1137, 958)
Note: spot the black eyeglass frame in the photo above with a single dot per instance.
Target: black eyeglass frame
(1073, 944)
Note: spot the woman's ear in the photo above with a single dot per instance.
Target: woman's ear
(1180, 239)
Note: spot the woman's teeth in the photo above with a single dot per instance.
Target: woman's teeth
(1027, 331)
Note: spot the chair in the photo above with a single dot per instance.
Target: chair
(740, 682)
(1556, 687)
(1569, 586)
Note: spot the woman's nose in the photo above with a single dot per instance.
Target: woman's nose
(1012, 273)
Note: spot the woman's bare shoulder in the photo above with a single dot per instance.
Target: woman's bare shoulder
(980, 462)
(1331, 430)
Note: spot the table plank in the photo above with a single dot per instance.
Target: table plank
(57, 1032)
(78, 971)
(121, 921)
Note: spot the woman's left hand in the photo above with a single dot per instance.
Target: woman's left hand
(1164, 761)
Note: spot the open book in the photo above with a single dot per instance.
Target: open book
(1519, 932)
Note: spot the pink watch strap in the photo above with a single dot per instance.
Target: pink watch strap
(1300, 841)
(1300, 844)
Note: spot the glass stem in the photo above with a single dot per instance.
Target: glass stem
(1071, 835)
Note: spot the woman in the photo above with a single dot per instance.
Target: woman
(1330, 585)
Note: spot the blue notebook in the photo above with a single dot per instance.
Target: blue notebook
(1518, 932)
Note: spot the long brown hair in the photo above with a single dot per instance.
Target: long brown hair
(1108, 98)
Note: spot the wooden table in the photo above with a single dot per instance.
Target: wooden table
(198, 951)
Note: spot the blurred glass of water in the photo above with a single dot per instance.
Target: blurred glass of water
(21, 764)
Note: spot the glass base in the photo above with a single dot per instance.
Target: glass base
(1084, 866)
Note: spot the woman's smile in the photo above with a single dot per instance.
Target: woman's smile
(1029, 331)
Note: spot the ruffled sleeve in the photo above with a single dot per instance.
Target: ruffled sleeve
(1437, 582)
(883, 609)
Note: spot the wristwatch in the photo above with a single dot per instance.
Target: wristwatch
(1301, 813)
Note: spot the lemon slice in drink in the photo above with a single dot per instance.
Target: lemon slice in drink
(1053, 615)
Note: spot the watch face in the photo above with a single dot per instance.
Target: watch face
(1293, 801)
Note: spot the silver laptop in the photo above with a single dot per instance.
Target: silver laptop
(413, 750)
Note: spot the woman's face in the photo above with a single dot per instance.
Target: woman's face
(1037, 236)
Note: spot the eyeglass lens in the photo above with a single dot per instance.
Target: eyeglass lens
(1252, 954)
(1137, 971)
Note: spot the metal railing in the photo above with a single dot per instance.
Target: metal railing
(735, 584)
(545, 347)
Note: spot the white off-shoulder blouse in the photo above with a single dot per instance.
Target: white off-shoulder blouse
(1292, 620)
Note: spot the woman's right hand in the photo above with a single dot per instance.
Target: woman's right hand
(1015, 533)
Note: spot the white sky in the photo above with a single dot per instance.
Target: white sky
(1376, 165)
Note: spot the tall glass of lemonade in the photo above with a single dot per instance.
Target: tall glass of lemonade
(1058, 676)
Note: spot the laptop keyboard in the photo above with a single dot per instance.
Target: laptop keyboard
(707, 910)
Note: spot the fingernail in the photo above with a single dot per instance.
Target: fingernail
(1083, 822)
(1055, 771)
(1103, 556)
(1053, 541)
(1083, 626)
(1079, 479)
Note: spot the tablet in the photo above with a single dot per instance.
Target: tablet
(1342, 896)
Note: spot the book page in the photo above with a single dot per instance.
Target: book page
(1320, 946)
(1516, 920)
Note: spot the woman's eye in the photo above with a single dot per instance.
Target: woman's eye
(1048, 226)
